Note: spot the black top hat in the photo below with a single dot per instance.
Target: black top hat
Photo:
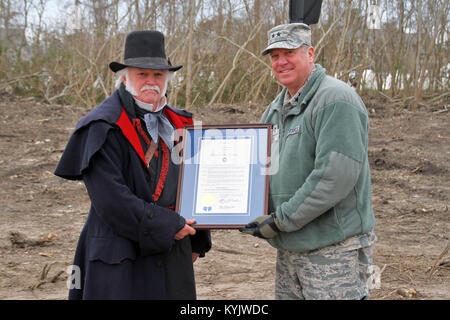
(145, 50)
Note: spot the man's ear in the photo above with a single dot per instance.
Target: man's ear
(311, 53)
(124, 80)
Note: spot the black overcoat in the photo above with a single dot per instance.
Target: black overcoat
(126, 249)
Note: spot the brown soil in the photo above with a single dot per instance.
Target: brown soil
(42, 214)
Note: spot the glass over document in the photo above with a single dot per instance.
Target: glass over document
(223, 178)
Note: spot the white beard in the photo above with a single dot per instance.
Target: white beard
(147, 106)
(130, 88)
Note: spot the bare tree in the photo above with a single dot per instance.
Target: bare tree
(218, 42)
(194, 6)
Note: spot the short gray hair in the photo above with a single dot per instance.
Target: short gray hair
(119, 75)
(305, 47)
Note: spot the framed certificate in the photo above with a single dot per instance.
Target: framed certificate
(223, 181)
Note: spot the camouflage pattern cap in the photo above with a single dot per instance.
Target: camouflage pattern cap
(288, 36)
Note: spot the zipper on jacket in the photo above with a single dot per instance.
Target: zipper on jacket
(283, 116)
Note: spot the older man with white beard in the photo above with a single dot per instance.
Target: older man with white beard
(145, 86)
(133, 245)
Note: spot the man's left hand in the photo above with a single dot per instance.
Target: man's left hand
(265, 227)
(187, 230)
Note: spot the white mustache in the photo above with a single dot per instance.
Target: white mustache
(156, 88)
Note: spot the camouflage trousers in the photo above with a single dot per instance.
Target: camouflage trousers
(337, 272)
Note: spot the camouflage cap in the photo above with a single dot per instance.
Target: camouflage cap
(288, 36)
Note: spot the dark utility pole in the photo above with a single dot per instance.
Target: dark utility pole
(304, 11)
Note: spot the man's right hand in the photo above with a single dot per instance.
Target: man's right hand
(186, 230)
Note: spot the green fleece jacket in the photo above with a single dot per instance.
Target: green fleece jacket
(320, 177)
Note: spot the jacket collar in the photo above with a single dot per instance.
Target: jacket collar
(311, 86)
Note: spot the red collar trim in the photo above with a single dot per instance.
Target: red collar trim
(130, 133)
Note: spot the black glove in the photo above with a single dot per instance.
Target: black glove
(265, 227)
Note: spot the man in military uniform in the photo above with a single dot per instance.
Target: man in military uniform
(321, 219)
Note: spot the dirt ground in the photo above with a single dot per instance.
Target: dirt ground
(42, 215)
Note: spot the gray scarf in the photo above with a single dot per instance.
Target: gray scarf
(157, 125)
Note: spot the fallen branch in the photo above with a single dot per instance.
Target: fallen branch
(445, 94)
(3, 84)
(423, 105)
(439, 260)
(56, 276)
(418, 168)
(409, 293)
(44, 275)
(441, 111)
(61, 94)
(385, 96)
(232, 251)
(45, 271)
(20, 240)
